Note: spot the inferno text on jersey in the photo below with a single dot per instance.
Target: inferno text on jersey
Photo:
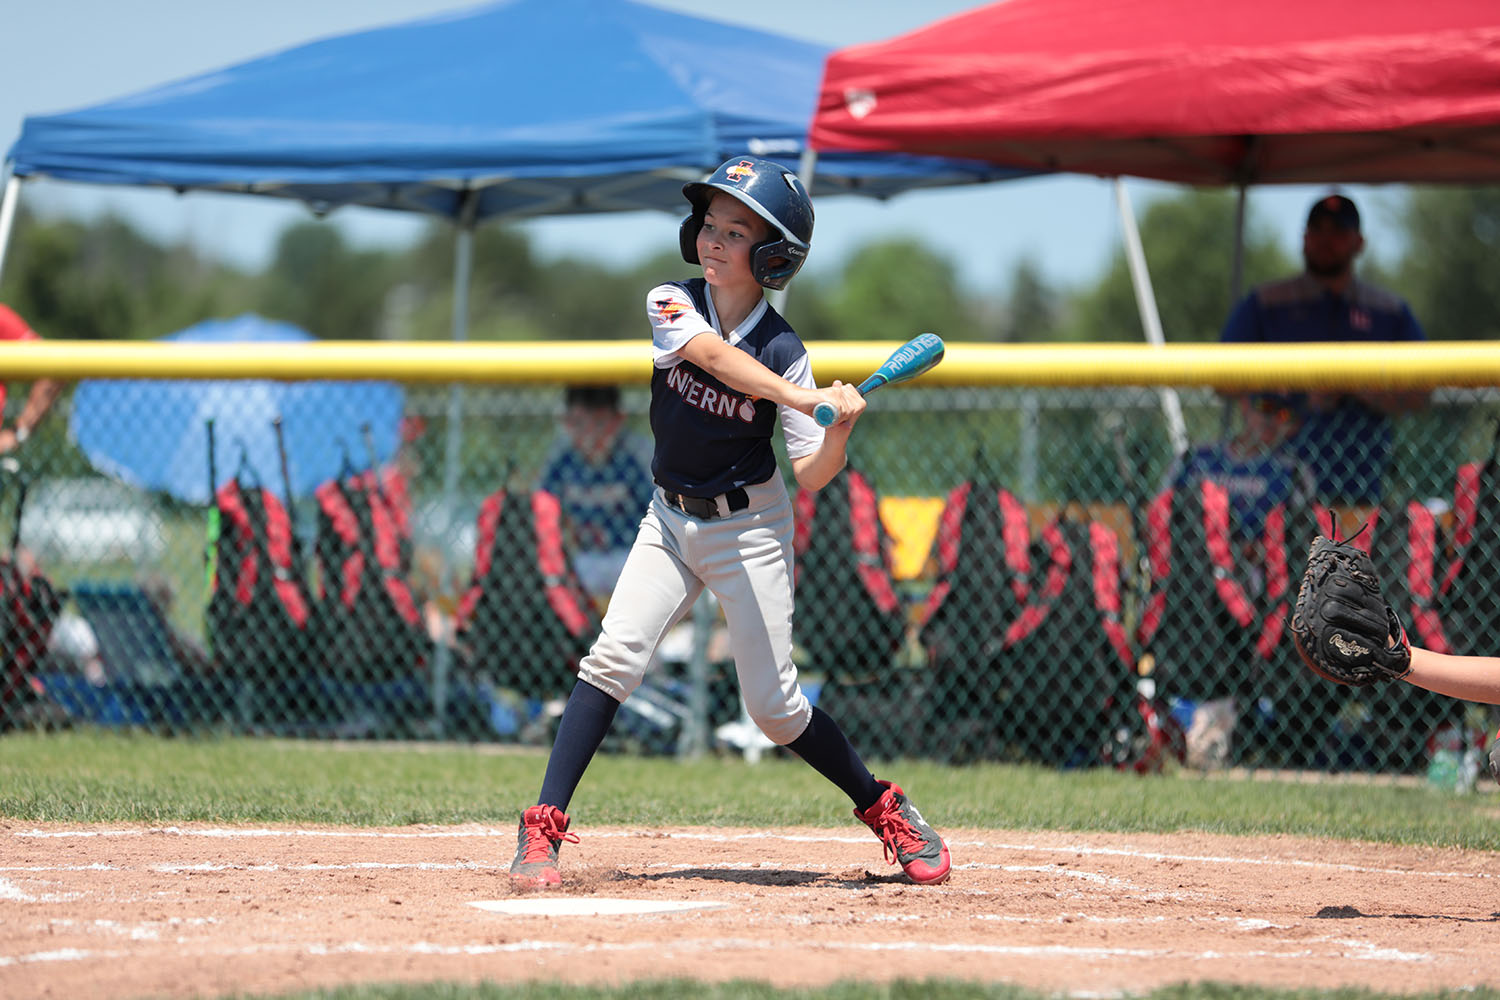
(708, 398)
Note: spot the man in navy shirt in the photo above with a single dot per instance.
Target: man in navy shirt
(1345, 437)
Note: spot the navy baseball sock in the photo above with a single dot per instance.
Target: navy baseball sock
(587, 718)
(824, 746)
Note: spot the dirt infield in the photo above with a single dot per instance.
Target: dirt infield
(131, 911)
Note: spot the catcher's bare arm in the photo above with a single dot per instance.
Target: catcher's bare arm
(1471, 678)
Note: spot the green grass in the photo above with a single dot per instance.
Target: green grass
(90, 776)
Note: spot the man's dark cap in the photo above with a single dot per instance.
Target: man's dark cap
(1286, 404)
(593, 397)
(1289, 400)
(1336, 208)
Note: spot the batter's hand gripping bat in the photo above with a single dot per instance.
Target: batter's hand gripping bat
(914, 357)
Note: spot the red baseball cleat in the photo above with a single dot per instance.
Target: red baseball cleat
(543, 830)
(907, 837)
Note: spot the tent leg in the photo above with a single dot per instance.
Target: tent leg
(807, 166)
(1237, 268)
(8, 212)
(1145, 300)
(463, 269)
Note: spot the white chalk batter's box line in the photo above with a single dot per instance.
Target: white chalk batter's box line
(1120, 885)
(1343, 949)
(1074, 849)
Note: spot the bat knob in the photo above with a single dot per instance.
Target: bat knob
(825, 414)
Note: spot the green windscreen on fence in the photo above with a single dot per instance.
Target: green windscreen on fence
(1001, 574)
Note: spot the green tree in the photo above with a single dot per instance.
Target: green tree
(1448, 273)
(515, 296)
(317, 282)
(1188, 242)
(1033, 305)
(103, 280)
(895, 289)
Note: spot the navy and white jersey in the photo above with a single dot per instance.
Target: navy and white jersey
(603, 502)
(711, 438)
(1255, 484)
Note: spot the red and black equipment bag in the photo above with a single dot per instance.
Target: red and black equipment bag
(850, 622)
(369, 626)
(29, 606)
(524, 621)
(258, 612)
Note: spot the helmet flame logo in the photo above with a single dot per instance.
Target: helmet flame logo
(742, 170)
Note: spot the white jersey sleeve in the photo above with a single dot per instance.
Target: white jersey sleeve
(675, 320)
(803, 434)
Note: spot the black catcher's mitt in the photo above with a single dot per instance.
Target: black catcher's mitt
(1343, 627)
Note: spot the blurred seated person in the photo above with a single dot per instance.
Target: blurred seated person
(74, 648)
(1257, 467)
(44, 391)
(601, 474)
(1346, 437)
(190, 653)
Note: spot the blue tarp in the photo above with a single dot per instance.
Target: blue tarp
(326, 424)
(542, 107)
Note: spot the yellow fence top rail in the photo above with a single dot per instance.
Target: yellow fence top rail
(1371, 366)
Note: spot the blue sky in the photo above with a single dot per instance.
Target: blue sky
(72, 53)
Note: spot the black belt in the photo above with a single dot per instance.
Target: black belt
(707, 508)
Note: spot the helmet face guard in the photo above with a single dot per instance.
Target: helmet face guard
(773, 193)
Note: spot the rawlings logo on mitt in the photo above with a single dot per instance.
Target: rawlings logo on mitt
(1343, 627)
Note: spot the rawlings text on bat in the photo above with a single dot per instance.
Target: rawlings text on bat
(913, 358)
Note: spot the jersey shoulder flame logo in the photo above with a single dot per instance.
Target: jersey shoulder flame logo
(669, 309)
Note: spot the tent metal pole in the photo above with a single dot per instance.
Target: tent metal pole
(1145, 300)
(8, 211)
(807, 168)
(463, 269)
(1237, 268)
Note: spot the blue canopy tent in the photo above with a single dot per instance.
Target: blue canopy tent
(515, 109)
(519, 108)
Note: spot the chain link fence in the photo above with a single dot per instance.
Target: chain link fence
(1025, 575)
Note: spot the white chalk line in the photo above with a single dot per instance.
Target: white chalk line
(12, 893)
(314, 866)
(232, 833)
(1088, 849)
(146, 930)
(1065, 848)
(1361, 950)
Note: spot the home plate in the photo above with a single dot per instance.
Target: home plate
(592, 906)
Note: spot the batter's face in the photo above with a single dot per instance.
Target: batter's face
(729, 230)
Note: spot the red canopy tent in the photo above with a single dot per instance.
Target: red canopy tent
(1268, 91)
(1180, 90)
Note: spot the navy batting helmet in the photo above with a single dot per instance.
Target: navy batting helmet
(775, 194)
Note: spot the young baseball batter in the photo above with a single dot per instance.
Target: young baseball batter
(726, 366)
